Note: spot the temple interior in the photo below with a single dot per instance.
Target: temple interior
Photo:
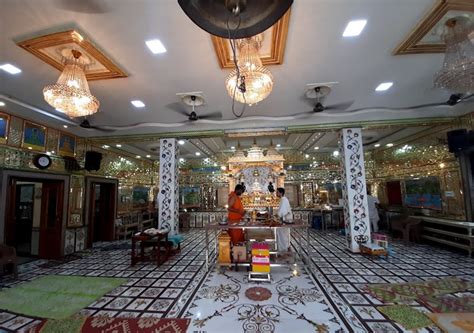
(236, 166)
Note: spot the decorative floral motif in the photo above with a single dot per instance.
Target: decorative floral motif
(145, 322)
(101, 321)
(354, 188)
(292, 295)
(258, 318)
(169, 187)
(258, 294)
(227, 293)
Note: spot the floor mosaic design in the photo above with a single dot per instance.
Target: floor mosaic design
(334, 286)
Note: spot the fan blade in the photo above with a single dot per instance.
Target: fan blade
(87, 125)
(212, 115)
(339, 106)
(103, 129)
(179, 108)
(413, 107)
(85, 6)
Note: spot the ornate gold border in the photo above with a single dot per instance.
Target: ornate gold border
(278, 44)
(34, 147)
(3, 140)
(34, 45)
(409, 44)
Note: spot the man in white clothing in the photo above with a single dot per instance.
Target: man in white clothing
(285, 214)
(372, 202)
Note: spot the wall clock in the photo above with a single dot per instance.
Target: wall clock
(42, 161)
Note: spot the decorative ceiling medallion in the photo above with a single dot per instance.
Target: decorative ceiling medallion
(426, 37)
(50, 49)
(271, 52)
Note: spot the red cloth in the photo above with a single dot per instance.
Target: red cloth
(129, 325)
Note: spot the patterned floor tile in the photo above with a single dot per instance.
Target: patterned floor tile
(170, 290)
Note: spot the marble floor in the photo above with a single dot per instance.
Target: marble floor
(327, 297)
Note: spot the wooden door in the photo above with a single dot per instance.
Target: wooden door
(51, 220)
(10, 216)
(102, 206)
(107, 209)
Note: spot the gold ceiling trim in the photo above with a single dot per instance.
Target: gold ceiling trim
(277, 51)
(38, 45)
(410, 44)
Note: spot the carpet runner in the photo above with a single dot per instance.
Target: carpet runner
(406, 292)
(113, 325)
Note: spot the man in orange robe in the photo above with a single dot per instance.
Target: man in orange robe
(235, 214)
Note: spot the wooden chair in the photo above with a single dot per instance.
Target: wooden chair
(8, 256)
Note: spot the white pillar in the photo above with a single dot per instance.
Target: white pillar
(354, 191)
(168, 196)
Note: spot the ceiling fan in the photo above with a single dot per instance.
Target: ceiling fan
(453, 100)
(320, 92)
(87, 125)
(194, 100)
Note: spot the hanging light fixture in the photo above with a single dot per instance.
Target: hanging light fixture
(251, 82)
(457, 74)
(254, 16)
(71, 93)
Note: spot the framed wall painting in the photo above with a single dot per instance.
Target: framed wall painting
(4, 122)
(190, 196)
(66, 144)
(140, 195)
(34, 136)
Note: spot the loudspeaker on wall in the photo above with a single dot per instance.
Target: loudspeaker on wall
(93, 160)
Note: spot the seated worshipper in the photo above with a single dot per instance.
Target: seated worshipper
(236, 213)
(285, 214)
(372, 203)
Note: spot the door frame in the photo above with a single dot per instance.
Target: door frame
(7, 174)
(89, 181)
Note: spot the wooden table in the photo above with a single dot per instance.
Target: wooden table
(156, 241)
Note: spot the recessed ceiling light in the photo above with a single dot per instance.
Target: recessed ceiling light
(389, 145)
(384, 86)
(118, 146)
(198, 153)
(316, 148)
(9, 68)
(377, 145)
(306, 156)
(155, 46)
(278, 145)
(138, 156)
(138, 104)
(354, 28)
(148, 156)
(65, 126)
(181, 142)
(2, 103)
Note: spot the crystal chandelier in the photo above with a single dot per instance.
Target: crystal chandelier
(255, 82)
(457, 74)
(71, 93)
